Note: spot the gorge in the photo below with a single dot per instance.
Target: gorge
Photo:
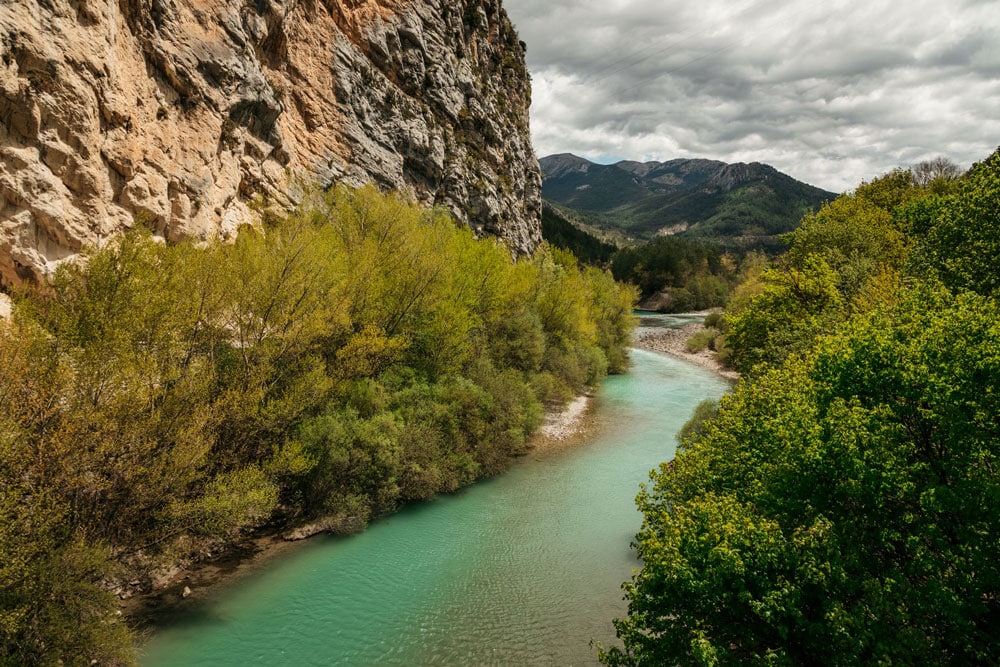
(522, 569)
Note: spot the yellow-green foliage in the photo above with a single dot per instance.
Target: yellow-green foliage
(841, 261)
(702, 340)
(357, 354)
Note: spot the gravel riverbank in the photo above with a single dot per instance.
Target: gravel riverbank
(672, 342)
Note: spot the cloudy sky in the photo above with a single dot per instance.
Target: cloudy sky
(830, 92)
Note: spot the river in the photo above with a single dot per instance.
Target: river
(523, 569)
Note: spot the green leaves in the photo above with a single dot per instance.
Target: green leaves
(961, 244)
(693, 273)
(790, 309)
(840, 509)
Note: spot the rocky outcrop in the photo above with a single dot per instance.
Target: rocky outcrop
(181, 112)
(733, 176)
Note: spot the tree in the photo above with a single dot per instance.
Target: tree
(960, 243)
(856, 238)
(840, 259)
(926, 173)
(788, 311)
(842, 509)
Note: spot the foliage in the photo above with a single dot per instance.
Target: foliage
(896, 226)
(841, 506)
(695, 426)
(692, 275)
(837, 260)
(701, 340)
(558, 231)
(52, 603)
(841, 509)
(792, 307)
(855, 238)
(960, 243)
(352, 356)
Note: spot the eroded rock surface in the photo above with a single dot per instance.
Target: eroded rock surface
(180, 112)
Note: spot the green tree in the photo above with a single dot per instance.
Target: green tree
(789, 310)
(856, 238)
(841, 509)
(693, 275)
(840, 261)
(959, 240)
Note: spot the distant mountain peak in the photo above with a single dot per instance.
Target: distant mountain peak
(565, 163)
(735, 175)
(749, 204)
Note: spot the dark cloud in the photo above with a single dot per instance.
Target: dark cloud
(831, 93)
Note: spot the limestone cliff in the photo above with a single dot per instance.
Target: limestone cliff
(181, 111)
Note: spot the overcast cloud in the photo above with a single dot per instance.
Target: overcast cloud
(829, 92)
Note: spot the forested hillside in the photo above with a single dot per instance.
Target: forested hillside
(842, 506)
(737, 206)
(673, 274)
(558, 230)
(160, 400)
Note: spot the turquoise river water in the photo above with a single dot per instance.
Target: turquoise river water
(523, 569)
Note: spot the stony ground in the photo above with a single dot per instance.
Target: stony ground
(672, 342)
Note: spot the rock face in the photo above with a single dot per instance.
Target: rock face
(180, 112)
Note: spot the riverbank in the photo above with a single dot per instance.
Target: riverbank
(563, 427)
(525, 568)
(673, 341)
(202, 581)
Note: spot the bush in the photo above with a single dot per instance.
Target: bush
(715, 319)
(701, 341)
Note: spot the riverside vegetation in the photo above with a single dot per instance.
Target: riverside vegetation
(159, 400)
(673, 274)
(842, 506)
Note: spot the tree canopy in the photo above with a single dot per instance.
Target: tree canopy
(842, 505)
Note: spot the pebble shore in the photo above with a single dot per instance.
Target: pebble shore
(672, 342)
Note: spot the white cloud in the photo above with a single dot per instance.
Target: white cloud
(831, 93)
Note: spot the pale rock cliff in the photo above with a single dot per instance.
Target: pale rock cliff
(180, 112)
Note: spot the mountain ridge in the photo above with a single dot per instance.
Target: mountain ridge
(741, 204)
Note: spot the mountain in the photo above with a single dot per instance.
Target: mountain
(182, 112)
(563, 233)
(739, 205)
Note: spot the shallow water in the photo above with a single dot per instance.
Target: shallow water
(524, 569)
